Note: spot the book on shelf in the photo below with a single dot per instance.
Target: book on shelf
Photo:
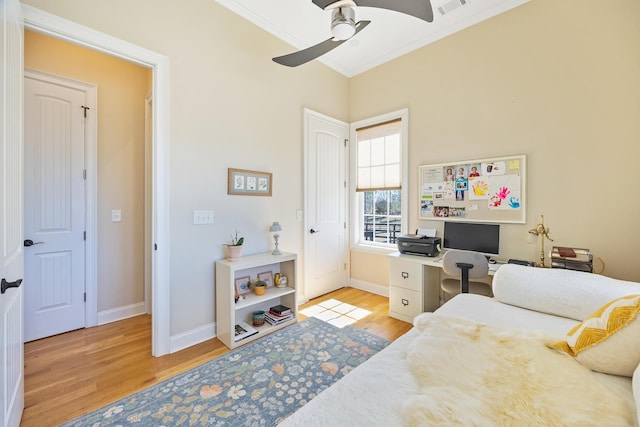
(280, 309)
(274, 322)
(243, 331)
(566, 252)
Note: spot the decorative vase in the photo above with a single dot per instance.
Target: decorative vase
(234, 252)
(258, 318)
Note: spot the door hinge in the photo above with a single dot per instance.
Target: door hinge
(346, 141)
(85, 110)
(85, 297)
(155, 246)
(84, 174)
(84, 235)
(345, 225)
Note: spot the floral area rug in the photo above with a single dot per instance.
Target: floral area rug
(259, 384)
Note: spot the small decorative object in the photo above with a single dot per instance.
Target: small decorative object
(259, 287)
(282, 283)
(258, 317)
(266, 277)
(276, 279)
(235, 247)
(242, 285)
(276, 228)
(542, 231)
(243, 182)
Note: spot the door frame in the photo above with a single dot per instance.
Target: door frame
(308, 113)
(59, 28)
(91, 184)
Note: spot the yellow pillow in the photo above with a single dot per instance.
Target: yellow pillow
(609, 340)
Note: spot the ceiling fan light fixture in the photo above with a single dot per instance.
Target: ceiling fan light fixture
(343, 24)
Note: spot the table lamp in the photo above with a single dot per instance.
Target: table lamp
(276, 228)
(543, 232)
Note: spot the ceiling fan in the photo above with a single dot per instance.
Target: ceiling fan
(344, 25)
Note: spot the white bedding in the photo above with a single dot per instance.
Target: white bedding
(373, 394)
(474, 374)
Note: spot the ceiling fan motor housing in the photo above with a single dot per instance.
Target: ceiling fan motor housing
(343, 23)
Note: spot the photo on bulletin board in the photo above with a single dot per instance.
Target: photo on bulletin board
(492, 189)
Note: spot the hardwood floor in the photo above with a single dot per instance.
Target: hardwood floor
(70, 374)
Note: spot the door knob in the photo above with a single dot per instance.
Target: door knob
(312, 231)
(30, 242)
(6, 285)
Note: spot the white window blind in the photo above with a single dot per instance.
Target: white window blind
(379, 157)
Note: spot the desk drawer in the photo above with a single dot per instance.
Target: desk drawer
(406, 275)
(404, 304)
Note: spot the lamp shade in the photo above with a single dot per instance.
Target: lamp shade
(275, 227)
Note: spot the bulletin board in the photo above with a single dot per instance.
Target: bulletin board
(481, 190)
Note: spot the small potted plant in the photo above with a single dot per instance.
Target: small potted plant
(235, 247)
(259, 287)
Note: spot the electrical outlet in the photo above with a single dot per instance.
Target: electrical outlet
(116, 215)
(202, 217)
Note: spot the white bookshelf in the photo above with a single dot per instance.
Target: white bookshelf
(229, 313)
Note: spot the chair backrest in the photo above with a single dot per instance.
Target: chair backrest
(454, 256)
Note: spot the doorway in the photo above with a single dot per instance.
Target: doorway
(56, 27)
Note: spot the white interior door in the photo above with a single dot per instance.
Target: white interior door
(11, 196)
(54, 206)
(326, 256)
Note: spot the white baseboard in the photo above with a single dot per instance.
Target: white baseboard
(192, 337)
(370, 287)
(121, 313)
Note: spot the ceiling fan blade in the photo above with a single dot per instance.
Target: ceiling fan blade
(323, 4)
(309, 54)
(419, 8)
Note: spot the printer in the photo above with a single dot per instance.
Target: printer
(416, 244)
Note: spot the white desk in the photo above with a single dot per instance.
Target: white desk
(414, 284)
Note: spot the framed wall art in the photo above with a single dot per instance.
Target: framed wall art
(242, 182)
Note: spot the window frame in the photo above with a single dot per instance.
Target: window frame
(356, 199)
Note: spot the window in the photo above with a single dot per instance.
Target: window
(378, 153)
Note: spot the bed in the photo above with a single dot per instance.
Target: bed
(439, 373)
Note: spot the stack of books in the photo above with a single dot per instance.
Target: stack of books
(278, 314)
(572, 259)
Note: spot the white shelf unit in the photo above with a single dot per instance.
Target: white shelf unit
(229, 313)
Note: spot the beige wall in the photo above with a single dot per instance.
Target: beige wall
(231, 106)
(557, 81)
(369, 268)
(122, 88)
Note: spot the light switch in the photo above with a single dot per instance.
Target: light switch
(116, 215)
(202, 217)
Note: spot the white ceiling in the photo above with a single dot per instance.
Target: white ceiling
(390, 34)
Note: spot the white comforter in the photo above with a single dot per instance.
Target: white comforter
(375, 393)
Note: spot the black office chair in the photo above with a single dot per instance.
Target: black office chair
(462, 266)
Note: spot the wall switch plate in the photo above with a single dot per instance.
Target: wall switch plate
(202, 217)
(299, 215)
(116, 215)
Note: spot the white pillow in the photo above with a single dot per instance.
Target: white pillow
(565, 293)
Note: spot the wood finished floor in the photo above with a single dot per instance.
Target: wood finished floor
(70, 374)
